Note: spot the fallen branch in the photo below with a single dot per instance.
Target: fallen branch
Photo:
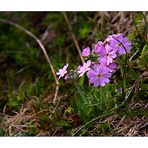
(43, 49)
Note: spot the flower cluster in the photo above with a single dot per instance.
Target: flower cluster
(101, 69)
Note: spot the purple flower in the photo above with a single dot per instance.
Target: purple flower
(66, 77)
(99, 47)
(98, 75)
(62, 71)
(84, 68)
(120, 43)
(108, 54)
(111, 67)
(86, 52)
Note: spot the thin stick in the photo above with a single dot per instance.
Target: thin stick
(124, 72)
(43, 49)
(73, 36)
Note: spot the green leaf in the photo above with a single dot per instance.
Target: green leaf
(84, 31)
(138, 18)
(144, 51)
(81, 81)
(81, 92)
(131, 36)
(144, 57)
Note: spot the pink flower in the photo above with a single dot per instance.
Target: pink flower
(98, 75)
(99, 47)
(82, 69)
(111, 67)
(108, 54)
(86, 52)
(62, 71)
(120, 43)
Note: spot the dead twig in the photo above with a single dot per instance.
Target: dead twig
(43, 49)
(73, 36)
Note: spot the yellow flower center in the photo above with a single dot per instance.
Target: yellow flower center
(120, 45)
(99, 75)
(107, 54)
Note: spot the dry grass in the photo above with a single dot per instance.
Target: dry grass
(122, 126)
